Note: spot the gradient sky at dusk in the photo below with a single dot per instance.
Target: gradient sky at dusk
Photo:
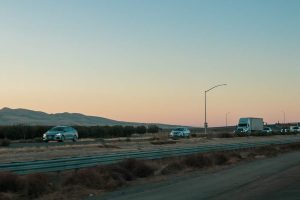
(151, 61)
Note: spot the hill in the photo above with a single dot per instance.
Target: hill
(10, 116)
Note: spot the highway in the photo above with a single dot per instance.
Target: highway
(274, 178)
(78, 162)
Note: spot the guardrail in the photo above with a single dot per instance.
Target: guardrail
(69, 163)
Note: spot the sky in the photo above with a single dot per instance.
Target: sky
(152, 60)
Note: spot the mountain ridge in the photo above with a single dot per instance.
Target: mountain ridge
(21, 116)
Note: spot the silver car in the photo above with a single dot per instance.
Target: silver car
(60, 133)
(267, 130)
(180, 132)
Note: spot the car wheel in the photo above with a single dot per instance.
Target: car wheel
(62, 139)
(75, 138)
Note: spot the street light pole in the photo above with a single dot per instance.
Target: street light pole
(205, 123)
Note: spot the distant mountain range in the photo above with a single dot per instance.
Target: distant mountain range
(10, 116)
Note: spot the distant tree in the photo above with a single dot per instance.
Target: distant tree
(116, 131)
(141, 129)
(128, 130)
(153, 129)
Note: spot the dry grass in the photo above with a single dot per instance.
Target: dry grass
(172, 168)
(162, 142)
(220, 135)
(4, 142)
(80, 183)
(8, 196)
(37, 185)
(10, 182)
(198, 161)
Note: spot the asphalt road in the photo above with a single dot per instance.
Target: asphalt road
(275, 178)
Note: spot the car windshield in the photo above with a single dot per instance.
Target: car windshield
(58, 129)
(243, 125)
(179, 129)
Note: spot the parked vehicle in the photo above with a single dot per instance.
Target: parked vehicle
(180, 132)
(284, 130)
(267, 130)
(60, 133)
(295, 129)
(249, 125)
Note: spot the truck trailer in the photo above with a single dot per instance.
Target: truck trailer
(249, 125)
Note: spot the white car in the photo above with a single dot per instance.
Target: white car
(267, 130)
(61, 133)
(180, 132)
(295, 129)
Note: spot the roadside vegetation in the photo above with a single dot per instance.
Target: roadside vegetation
(86, 182)
(35, 133)
(24, 133)
(4, 142)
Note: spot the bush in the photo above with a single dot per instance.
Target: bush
(37, 185)
(141, 129)
(220, 158)
(10, 182)
(96, 178)
(125, 174)
(38, 139)
(137, 168)
(172, 168)
(128, 131)
(4, 142)
(8, 196)
(198, 161)
(226, 135)
(160, 142)
(153, 129)
(86, 177)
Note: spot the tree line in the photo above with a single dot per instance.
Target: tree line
(19, 132)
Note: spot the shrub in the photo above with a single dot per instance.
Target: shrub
(38, 139)
(36, 185)
(125, 174)
(8, 196)
(225, 135)
(198, 161)
(267, 150)
(137, 167)
(141, 130)
(4, 142)
(172, 168)
(153, 129)
(128, 131)
(86, 177)
(96, 178)
(10, 182)
(163, 142)
(220, 158)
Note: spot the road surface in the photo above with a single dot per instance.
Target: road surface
(276, 178)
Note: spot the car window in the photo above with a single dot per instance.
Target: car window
(57, 129)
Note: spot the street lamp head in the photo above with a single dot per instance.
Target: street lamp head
(215, 87)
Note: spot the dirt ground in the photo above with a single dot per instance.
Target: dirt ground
(109, 146)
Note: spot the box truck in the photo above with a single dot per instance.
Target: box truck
(249, 125)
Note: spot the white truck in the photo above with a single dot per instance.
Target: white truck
(249, 125)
